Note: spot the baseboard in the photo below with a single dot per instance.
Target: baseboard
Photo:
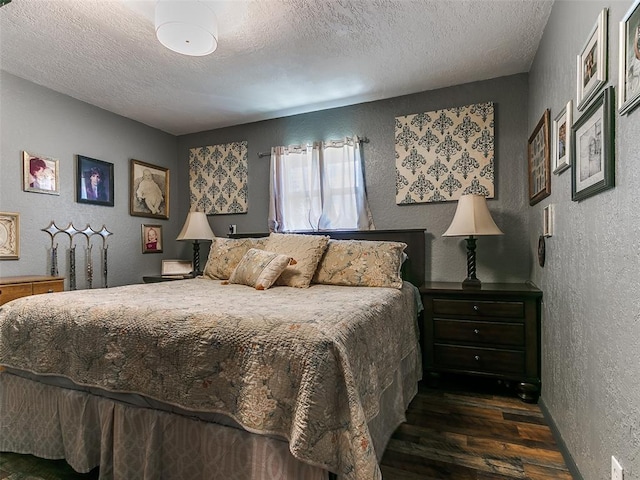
(568, 459)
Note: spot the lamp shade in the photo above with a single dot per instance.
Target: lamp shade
(472, 217)
(188, 26)
(196, 227)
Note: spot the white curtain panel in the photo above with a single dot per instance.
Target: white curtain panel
(318, 187)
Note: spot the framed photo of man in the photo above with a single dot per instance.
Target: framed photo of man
(40, 174)
(149, 195)
(94, 181)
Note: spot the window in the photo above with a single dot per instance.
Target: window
(318, 187)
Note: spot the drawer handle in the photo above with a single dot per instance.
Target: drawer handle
(477, 358)
(476, 308)
(50, 290)
(476, 331)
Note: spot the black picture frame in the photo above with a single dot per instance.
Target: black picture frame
(593, 148)
(103, 193)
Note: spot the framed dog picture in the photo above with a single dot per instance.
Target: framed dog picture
(149, 195)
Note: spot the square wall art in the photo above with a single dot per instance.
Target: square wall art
(444, 154)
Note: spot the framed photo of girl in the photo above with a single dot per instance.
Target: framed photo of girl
(629, 60)
(151, 238)
(149, 195)
(592, 149)
(94, 181)
(40, 174)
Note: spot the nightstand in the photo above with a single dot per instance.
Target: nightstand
(491, 332)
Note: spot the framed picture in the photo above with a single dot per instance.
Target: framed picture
(561, 138)
(592, 148)
(592, 62)
(151, 238)
(149, 196)
(629, 75)
(40, 174)
(177, 268)
(94, 181)
(9, 236)
(539, 161)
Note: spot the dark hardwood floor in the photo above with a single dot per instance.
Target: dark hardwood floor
(463, 430)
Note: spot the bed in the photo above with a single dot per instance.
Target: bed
(210, 378)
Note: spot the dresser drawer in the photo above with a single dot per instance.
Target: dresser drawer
(479, 332)
(11, 292)
(477, 308)
(48, 287)
(479, 359)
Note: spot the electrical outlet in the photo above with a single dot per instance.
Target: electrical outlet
(616, 470)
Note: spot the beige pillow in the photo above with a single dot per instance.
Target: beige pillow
(259, 268)
(306, 249)
(224, 256)
(361, 263)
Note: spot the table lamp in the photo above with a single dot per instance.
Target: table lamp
(472, 218)
(196, 228)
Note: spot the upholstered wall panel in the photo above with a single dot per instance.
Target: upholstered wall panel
(443, 154)
(218, 178)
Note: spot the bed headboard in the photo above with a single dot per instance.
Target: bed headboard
(413, 269)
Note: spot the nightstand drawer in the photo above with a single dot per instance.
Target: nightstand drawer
(478, 332)
(442, 306)
(479, 359)
(48, 287)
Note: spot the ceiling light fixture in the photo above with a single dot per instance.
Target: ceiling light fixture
(188, 27)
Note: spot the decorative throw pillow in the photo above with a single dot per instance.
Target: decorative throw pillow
(361, 263)
(259, 268)
(224, 256)
(306, 249)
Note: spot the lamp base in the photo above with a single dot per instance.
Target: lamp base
(471, 283)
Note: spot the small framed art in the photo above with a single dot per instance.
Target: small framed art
(592, 148)
(539, 161)
(149, 195)
(94, 179)
(151, 238)
(561, 138)
(9, 236)
(592, 62)
(40, 174)
(629, 61)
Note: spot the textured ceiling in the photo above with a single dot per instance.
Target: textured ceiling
(275, 57)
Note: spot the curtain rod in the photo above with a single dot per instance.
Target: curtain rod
(268, 154)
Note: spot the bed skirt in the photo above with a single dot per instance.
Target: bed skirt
(128, 441)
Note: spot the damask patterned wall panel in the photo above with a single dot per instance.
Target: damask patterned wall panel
(444, 154)
(218, 178)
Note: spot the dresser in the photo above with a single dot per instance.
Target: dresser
(23, 286)
(491, 332)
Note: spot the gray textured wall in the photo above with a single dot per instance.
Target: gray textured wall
(506, 258)
(591, 325)
(38, 120)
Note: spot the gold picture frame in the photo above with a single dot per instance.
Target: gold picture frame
(40, 174)
(149, 194)
(9, 236)
(539, 161)
(152, 238)
(561, 139)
